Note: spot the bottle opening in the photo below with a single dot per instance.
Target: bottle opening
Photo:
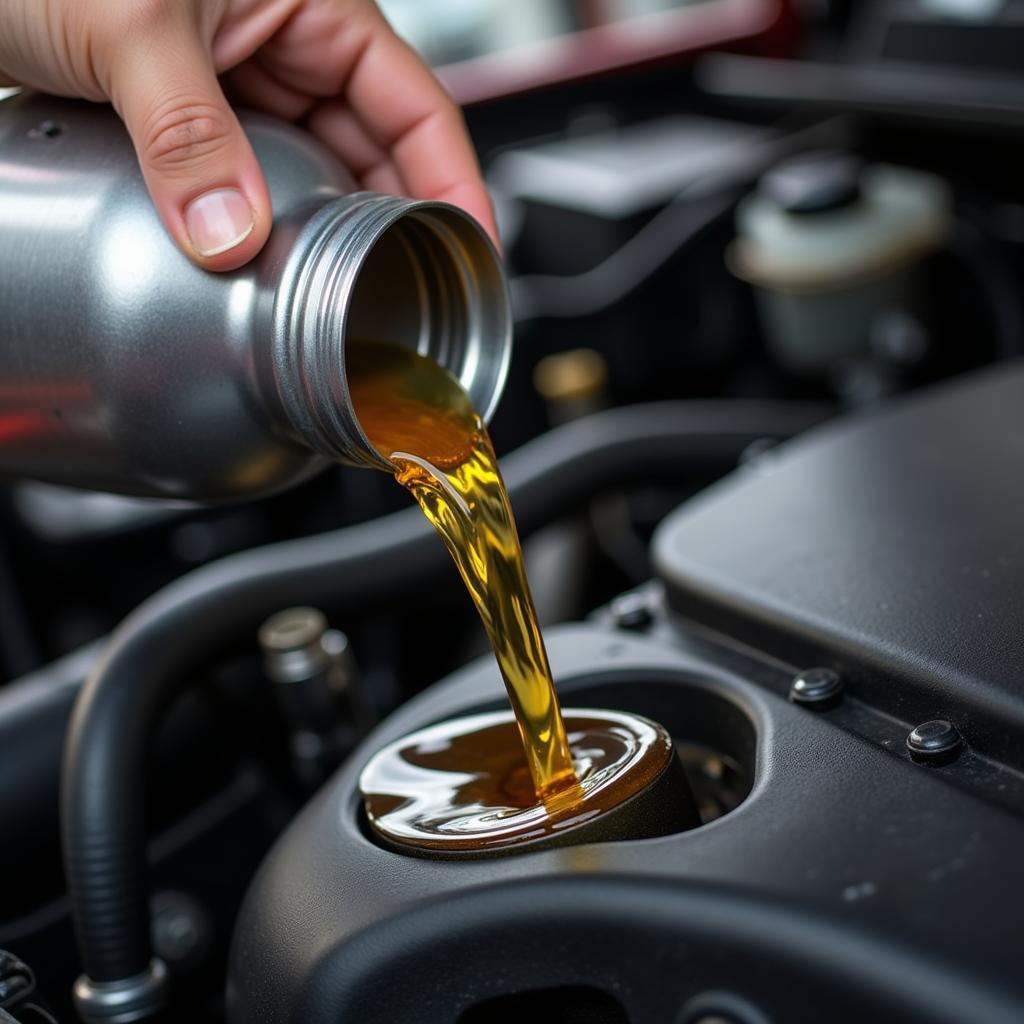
(371, 267)
(432, 282)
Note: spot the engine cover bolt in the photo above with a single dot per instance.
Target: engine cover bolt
(817, 688)
(935, 742)
(632, 610)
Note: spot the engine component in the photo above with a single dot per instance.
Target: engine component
(584, 196)
(458, 789)
(316, 680)
(887, 547)
(17, 985)
(147, 660)
(833, 247)
(890, 896)
(17, 982)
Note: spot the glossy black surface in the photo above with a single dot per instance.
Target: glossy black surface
(889, 546)
(825, 895)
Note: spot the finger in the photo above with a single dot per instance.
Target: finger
(333, 122)
(197, 162)
(454, 176)
(404, 109)
(384, 178)
(253, 86)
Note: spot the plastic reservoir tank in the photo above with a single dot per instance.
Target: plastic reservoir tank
(830, 245)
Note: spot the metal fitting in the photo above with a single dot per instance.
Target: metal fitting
(316, 680)
(124, 1000)
(291, 643)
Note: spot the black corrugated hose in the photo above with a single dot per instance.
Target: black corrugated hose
(151, 655)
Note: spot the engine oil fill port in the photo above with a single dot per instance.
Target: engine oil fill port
(487, 783)
(462, 788)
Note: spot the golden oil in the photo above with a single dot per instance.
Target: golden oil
(418, 417)
(462, 787)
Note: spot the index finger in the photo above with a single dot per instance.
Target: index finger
(407, 112)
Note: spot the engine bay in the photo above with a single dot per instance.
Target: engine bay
(762, 431)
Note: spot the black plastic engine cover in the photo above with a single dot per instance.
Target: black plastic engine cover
(889, 546)
(850, 884)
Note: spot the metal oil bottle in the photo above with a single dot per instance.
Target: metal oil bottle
(126, 368)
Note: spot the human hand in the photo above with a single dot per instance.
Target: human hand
(334, 65)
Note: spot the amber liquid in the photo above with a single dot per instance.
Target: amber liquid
(462, 786)
(419, 418)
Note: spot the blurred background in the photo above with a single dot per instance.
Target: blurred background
(458, 30)
(706, 199)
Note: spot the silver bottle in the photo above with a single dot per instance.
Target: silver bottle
(124, 367)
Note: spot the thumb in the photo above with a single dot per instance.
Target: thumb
(197, 162)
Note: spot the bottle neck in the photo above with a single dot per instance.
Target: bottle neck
(419, 274)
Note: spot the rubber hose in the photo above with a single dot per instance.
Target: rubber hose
(150, 655)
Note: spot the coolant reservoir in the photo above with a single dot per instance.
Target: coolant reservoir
(829, 245)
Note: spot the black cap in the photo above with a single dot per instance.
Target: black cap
(814, 182)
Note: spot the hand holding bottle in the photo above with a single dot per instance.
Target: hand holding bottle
(167, 65)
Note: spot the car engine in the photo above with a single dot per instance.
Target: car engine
(763, 432)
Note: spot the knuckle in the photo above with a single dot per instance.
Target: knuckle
(450, 120)
(185, 135)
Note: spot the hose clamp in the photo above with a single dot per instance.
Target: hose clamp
(124, 1000)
